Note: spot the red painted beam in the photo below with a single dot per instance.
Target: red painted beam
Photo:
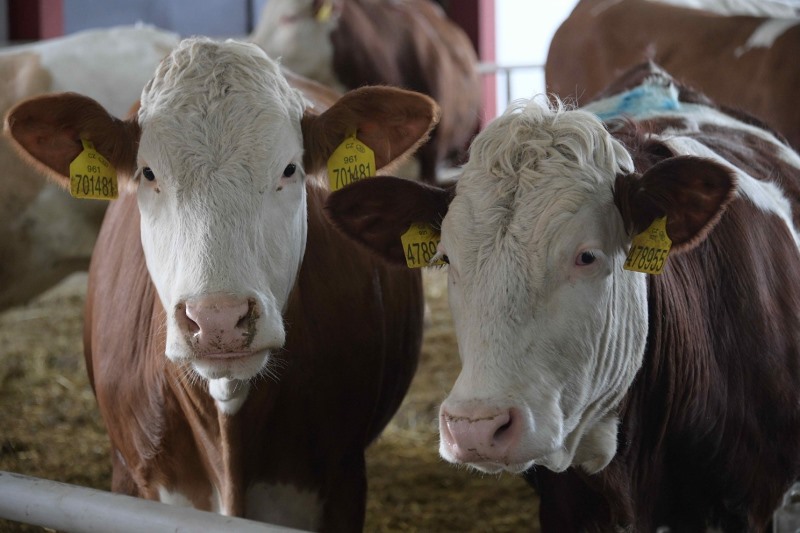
(477, 19)
(30, 20)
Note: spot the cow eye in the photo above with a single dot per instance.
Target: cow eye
(148, 174)
(585, 258)
(288, 172)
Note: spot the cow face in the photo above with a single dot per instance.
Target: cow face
(551, 329)
(221, 192)
(219, 157)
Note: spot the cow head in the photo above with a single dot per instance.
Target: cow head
(218, 156)
(551, 330)
(299, 32)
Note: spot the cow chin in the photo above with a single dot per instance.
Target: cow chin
(233, 366)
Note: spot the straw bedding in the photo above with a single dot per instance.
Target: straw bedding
(50, 427)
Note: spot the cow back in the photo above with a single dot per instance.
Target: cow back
(721, 56)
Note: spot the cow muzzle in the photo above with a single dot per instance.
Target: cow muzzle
(227, 335)
(492, 438)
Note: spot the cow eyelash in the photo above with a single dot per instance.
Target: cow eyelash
(438, 256)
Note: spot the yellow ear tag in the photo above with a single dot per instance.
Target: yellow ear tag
(649, 249)
(92, 176)
(325, 11)
(350, 162)
(419, 244)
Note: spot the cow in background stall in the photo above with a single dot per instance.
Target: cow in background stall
(411, 44)
(626, 302)
(243, 352)
(47, 234)
(743, 62)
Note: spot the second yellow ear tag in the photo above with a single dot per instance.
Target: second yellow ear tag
(350, 162)
(325, 11)
(92, 176)
(419, 245)
(649, 249)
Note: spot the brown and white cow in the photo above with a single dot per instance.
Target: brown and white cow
(346, 44)
(243, 353)
(632, 400)
(47, 234)
(740, 61)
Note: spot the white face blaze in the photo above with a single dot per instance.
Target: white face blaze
(221, 192)
(550, 328)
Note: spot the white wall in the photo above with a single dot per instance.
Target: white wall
(523, 31)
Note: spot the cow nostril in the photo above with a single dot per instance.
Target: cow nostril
(505, 430)
(246, 320)
(185, 321)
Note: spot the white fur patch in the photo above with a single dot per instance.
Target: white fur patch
(767, 196)
(284, 505)
(229, 394)
(122, 60)
(179, 500)
(766, 34)
(755, 8)
(173, 498)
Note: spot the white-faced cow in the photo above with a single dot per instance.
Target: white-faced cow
(47, 234)
(740, 61)
(346, 44)
(242, 352)
(632, 400)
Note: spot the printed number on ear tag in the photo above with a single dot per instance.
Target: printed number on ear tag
(419, 244)
(92, 176)
(352, 161)
(649, 249)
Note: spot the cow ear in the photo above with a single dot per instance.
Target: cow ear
(47, 131)
(690, 191)
(377, 211)
(392, 122)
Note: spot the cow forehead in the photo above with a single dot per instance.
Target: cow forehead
(205, 81)
(530, 172)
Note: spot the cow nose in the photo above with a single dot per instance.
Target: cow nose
(218, 323)
(480, 435)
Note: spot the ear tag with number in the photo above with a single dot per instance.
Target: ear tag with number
(350, 162)
(419, 245)
(649, 249)
(92, 176)
(325, 11)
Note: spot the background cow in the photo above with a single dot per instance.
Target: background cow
(411, 44)
(644, 400)
(47, 234)
(739, 61)
(287, 348)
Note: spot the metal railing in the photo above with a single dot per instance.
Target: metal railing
(77, 509)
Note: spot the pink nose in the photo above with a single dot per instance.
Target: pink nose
(480, 435)
(218, 324)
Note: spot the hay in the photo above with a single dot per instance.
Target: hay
(50, 426)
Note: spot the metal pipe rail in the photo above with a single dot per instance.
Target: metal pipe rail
(487, 69)
(77, 509)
